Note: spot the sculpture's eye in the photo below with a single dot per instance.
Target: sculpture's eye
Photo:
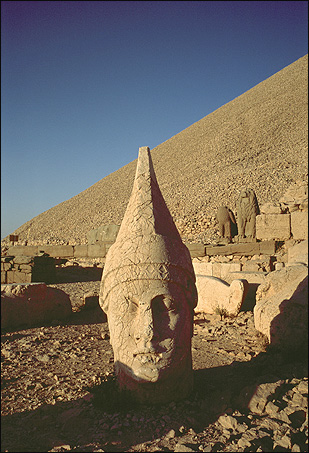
(163, 303)
(132, 304)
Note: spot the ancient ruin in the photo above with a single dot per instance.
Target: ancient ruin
(225, 216)
(247, 209)
(148, 293)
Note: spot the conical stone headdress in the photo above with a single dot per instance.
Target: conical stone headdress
(148, 245)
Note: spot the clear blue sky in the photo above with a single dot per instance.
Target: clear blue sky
(85, 84)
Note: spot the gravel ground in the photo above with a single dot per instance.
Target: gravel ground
(59, 393)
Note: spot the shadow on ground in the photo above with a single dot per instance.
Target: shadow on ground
(76, 273)
(90, 419)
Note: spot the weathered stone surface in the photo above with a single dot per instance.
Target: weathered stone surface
(10, 276)
(247, 249)
(271, 208)
(202, 268)
(219, 270)
(196, 250)
(58, 251)
(247, 209)
(96, 251)
(260, 398)
(273, 226)
(299, 225)
(80, 251)
(228, 422)
(104, 233)
(148, 292)
(255, 278)
(18, 250)
(263, 264)
(23, 259)
(22, 277)
(32, 304)
(298, 253)
(215, 295)
(281, 310)
(227, 268)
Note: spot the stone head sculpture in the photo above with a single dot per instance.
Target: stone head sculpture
(148, 293)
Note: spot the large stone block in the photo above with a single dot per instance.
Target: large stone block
(80, 251)
(298, 253)
(227, 268)
(202, 268)
(25, 268)
(96, 251)
(58, 251)
(271, 208)
(251, 277)
(22, 277)
(267, 247)
(23, 259)
(10, 276)
(273, 226)
(254, 279)
(299, 224)
(25, 250)
(215, 295)
(218, 250)
(196, 249)
(216, 270)
(27, 305)
(281, 310)
(243, 248)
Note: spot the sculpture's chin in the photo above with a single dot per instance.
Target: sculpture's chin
(146, 374)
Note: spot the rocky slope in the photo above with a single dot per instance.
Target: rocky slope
(258, 140)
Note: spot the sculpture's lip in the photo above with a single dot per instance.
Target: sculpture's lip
(151, 352)
(146, 353)
(151, 356)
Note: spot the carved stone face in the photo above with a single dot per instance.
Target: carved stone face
(150, 329)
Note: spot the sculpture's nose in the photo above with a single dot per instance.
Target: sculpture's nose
(144, 327)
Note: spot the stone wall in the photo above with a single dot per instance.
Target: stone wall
(97, 250)
(27, 269)
(282, 226)
(246, 249)
(286, 219)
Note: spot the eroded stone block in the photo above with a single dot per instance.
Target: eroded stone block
(32, 304)
(80, 251)
(299, 224)
(96, 251)
(26, 250)
(273, 226)
(298, 253)
(215, 295)
(281, 310)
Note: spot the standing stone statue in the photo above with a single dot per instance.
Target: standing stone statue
(224, 217)
(247, 209)
(148, 293)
